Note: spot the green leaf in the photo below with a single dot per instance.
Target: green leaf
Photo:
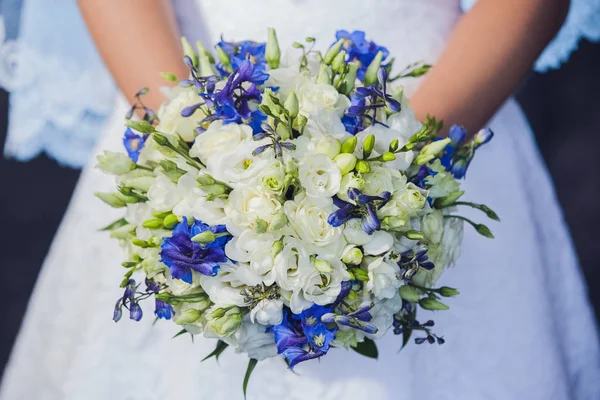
(251, 365)
(406, 333)
(115, 225)
(221, 346)
(181, 332)
(367, 348)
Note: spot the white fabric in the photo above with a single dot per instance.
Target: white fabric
(521, 328)
(583, 22)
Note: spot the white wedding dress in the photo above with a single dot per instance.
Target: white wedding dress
(521, 328)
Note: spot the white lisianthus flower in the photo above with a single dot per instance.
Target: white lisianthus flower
(255, 341)
(382, 179)
(443, 183)
(323, 123)
(408, 202)
(254, 249)
(219, 138)
(404, 122)
(320, 96)
(163, 194)
(291, 266)
(324, 283)
(308, 219)
(249, 204)
(381, 242)
(169, 114)
(267, 312)
(432, 226)
(383, 280)
(239, 165)
(221, 292)
(383, 137)
(319, 176)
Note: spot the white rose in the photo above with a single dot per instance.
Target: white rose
(267, 312)
(320, 176)
(383, 281)
(169, 114)
(254, 340)
(254, 249)
(291, 265)
(249, 204)
(382, 179)
(219, 138)
(383, 137)
(404, 204)
(272, 178)
(432, 226)
(308, 218)
(239, 165)
(163, 194)
(320, 96)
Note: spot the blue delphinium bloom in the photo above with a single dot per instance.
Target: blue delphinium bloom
(182, 255)
(457, 154)
(456, 135)
(134, 144)
(360, 50)
(303, 336)
(238, 52)
(363, 206)
(135, 312)
(163, 310)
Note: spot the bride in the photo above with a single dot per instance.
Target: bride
(522, 327)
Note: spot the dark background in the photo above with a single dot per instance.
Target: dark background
(563, 108)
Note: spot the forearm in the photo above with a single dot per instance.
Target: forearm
(137, 39)
(493, 47)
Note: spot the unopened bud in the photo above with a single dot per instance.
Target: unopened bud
(188, 316)
(329, 146)
(360, 274)
(353, 256)
(339, 62)
(261, 225)
(188, 51)
(111, 199)
(291, 104)
(152, 224)
(373, 69)
(204, 237)
(345, 162)
(332, 52)
(349, 145)
(362, 167)
(276, 248)
(272, 51)
(430, 151)
(368, 145)
(432, 304)
(115, 163)
(448, 291)
(323, 266)
(278, 222)
(388, 156)
(409, 293)
(170, 221)
(140, 126)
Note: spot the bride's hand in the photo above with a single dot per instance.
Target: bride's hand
(137, 39)
(493, 47)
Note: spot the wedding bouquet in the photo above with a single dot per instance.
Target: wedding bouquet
(290, 205)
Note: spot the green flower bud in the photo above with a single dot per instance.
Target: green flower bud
(205, 180)
(345, 162)
(141, 183)
(373, 69)
(360, 274)
(323, 76)
(169, 77)
(432, 304)
(323, 266)
(206, 67)
(448, 291)
(224, 58)
(300, 122)
(153, 224)
(115, 163)
(216, 189)
(164, 296)
(170, 221)
(140, 243)
(188, 50)
(387, 156)
(122, 232)
(393, 145)
(362, 167)
(154, 241)
(218, 313)
(188, 316)
(393, 222)
(278, 222)
(204, 237)
(430, 151)
(329, 146)
(450, 199)
(111, 199)
(140, 126)
(261, 225)
(349, 80)
(415, 235)
(276, 248)
(351, 295)
(272, 52)
(161, 140)
(409, 293)
(353, 256)
(226, 324)
(398, 93)
(283, 131)
(332, 52)
(203, 51)
(349, 145)
(483, 230)
(368, 145)
(339, 62)
(291, 104)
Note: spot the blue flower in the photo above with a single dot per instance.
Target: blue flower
(135, 312)
(360, 50)
(134, 144)
(363, 206)
(238, 52)
(183, 256)
(163, 310)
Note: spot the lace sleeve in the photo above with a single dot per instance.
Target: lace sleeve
(583, 21)
(60, 90)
